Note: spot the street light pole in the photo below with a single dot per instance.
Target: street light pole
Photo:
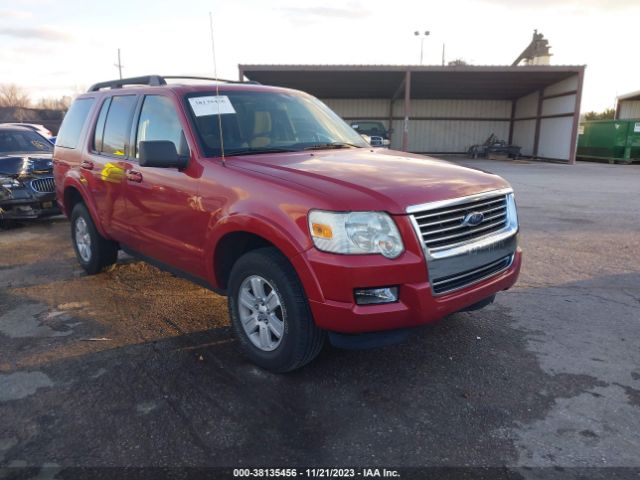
(422, 37)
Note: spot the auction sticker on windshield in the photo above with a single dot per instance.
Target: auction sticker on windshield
(211, 105)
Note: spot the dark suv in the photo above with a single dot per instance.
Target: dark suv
(265, 195)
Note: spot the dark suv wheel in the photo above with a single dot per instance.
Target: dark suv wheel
(93, 251)
(270, 313)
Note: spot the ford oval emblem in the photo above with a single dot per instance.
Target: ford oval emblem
(473, 219)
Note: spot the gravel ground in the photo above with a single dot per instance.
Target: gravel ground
(134, 367)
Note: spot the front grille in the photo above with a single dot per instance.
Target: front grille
(443, 227)
(459, 280)
(43, 185)
(376, 141)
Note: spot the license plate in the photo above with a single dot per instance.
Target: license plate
(47, 204)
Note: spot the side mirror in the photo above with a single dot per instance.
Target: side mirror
(390, 131)
(161, 154)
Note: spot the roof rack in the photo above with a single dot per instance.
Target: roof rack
(155, 81)
(151, 80)
(179, 77)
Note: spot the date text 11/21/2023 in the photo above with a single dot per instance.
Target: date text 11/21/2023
(315, 473)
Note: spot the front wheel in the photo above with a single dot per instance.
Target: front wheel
(93, 251)
(270, 313)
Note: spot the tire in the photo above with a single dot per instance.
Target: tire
(300, 340)
(93, 251)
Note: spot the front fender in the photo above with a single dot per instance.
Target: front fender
(291, 241)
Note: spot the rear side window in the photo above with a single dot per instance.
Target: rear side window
(115, 139)
(69, 134)
(99, 132)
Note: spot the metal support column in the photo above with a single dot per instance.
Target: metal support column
(390, 127)
(407, 111)
(395, 96)
(512, 120)
(536, 138)
(576, 119)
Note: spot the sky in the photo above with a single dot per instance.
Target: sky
(60, 47)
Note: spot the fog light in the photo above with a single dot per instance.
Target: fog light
(370, 296)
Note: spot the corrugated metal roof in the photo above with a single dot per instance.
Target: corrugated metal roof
(398, 66)
(385, 81)
(630, 96)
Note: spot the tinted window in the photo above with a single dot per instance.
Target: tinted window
(69, 134)
(99, 131)
(159, 121)
(373, 128)
(23, 141)
(117, 126)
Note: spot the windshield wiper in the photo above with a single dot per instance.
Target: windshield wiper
(257, 151)
(323, 146)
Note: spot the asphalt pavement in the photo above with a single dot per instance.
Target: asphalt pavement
(134, 367)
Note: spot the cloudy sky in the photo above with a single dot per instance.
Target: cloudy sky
(56, 47)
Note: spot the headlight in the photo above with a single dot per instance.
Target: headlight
(7, 182)
(355, 233)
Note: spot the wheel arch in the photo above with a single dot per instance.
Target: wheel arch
(237, 238)
(230, 248)
(74, 194)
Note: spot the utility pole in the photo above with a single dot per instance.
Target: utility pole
(443, 54)
(119, 65)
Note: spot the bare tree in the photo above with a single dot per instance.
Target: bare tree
(61, 103)
(11, 95)
(458, 62)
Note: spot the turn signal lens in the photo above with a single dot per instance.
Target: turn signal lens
(321, 231)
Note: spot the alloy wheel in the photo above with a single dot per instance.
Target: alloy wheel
(261, 313)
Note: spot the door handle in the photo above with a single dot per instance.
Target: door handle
(134, 176)
(87, 165)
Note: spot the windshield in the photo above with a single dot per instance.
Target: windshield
(23, 141)
(263, 122)
(369, 128)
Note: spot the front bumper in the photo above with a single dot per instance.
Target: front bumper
(330, 281)
(29, 207)
(417, 305)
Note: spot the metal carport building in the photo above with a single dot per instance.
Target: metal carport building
(447, 109)
(628, 106)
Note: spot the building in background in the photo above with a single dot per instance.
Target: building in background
(628, 106)
(437, 110)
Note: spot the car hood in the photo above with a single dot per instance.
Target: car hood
(376, 179)
(16, 165)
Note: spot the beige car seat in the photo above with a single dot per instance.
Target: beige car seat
(261, 130)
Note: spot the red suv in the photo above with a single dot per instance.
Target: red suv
(265, 195)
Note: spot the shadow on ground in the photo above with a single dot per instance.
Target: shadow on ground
(452, 395)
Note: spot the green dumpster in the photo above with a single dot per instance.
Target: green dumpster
(611, 140)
